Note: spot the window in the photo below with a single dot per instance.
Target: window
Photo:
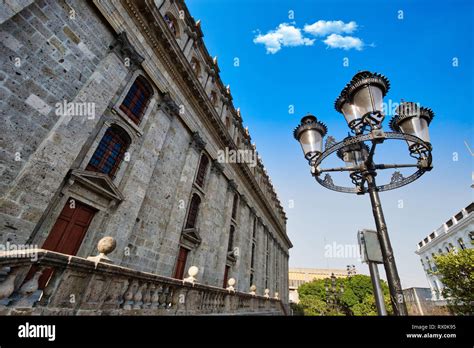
(110, 152)
(171, 22)
(451, 247)
(234, 206)
(193, 211)
(428, 263)
(227, 122)
(254, 232)
(230, 245)
(135, 102)
(202, 170)
(471, 235)
(195, 66)
(252, 260)
(251, 278)
(267, 259)
(213, 97)
(461, 244)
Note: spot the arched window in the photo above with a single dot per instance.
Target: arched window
(193, 211)
(135, 102)
(110, 152)
(461, 244)
(234, 206)
(172, 25)
(227, 122)
(202, 170)
(230, 245)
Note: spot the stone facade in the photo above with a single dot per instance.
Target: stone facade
(89, 55)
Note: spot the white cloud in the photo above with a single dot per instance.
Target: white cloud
(284, 35)
(323, 28)
(344, 42)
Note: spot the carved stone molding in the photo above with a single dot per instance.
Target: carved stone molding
(168, 105)
(125, 50)
(197, 142)
(217, 167)
(232, 186)
(243, 199)
(254, 212)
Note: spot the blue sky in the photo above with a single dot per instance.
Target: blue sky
(416, 53)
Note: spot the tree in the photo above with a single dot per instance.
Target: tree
(357, 298)
(456, 271)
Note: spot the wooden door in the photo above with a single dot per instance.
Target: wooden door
(70, 228)
(226, 275)
(181, 263)
(67, 233)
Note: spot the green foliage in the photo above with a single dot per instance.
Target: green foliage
(357, 298)
(456, 270)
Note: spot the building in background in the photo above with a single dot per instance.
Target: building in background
(113, 119)
(299, 276)
(419, 302)
(457, 233)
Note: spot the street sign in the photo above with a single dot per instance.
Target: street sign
(369, 244)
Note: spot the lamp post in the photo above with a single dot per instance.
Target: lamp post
(361, 103)
(351, 270)
(333, 294)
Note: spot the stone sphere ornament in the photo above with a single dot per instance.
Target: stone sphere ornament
(105, 246)
(193, 271)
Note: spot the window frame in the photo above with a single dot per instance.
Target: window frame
(117, 166)
(124, 117)
(143, 82)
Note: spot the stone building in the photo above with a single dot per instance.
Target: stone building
(300, 276)
(113, 118)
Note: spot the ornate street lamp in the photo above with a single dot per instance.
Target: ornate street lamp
(361, 103)
(310, 134)
(414, 120)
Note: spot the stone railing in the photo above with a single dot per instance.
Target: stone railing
(94, 286)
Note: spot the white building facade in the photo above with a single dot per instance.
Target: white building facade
(455, 234)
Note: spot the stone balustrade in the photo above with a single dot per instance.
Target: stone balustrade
(80, 286)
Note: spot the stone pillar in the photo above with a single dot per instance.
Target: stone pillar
(124, 218)
(212, 228)
(169, 242)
